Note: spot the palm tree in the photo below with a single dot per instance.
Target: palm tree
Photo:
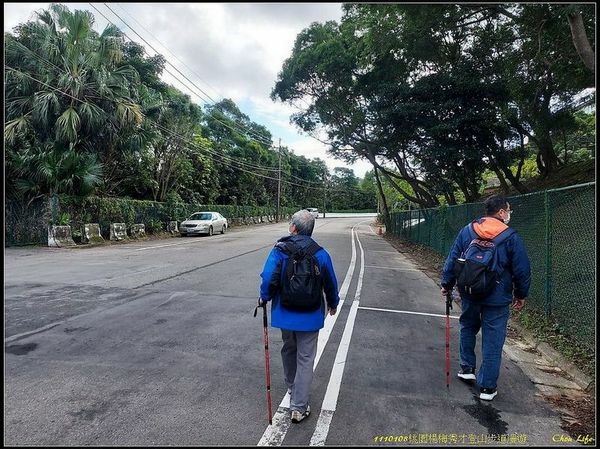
(55, 169)
(68, 98)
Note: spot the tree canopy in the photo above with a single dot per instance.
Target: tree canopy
(434, 95)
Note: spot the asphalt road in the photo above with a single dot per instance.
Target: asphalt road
(154, 343)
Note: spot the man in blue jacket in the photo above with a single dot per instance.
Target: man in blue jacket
(491, 313)
(299, 329)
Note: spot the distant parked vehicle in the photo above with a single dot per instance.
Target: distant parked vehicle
(203, 223)
(314, 211)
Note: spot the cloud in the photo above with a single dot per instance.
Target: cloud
(238, 49)
(16, 13)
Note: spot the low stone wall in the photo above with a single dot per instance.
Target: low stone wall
(172, 227)
(256, 220)
(118, 232)
(60, 236)
(137, 231)
(91, 233)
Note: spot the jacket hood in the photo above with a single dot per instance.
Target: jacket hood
(488, 227)
(290, 243)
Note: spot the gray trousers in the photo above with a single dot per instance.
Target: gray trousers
(298, 356)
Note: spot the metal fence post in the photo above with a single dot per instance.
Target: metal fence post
(419, 226)
(548, 239)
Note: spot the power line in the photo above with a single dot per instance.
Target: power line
(172, 54)
(245, 130)
(176, 78)
(241, 164)
(240, 126)
(193, 144)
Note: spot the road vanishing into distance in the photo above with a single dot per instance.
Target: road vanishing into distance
(154, 343)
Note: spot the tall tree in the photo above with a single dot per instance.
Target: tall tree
(542, 70)
(442, 92)
(240, 146)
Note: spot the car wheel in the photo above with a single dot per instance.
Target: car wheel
(210, 231)
(223, 230)
(183, 234)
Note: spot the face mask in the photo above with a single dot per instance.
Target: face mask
(507, 219)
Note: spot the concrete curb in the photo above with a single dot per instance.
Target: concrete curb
(584, 381)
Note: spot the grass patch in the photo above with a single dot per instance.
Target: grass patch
(547, 330)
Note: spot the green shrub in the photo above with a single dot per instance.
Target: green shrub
(154, 226)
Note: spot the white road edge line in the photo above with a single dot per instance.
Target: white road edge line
(335, 381)
(275, 433)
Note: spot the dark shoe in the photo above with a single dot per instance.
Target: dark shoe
(297, 416)
(467, 374)
(487, 394)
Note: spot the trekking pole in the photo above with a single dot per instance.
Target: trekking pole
(267, 367)
(448, 307)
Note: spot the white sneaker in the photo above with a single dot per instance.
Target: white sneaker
(467, 374)
(297, 416)
(487, 394)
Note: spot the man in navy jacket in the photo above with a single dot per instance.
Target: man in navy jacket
(299, 329)
(491, 313)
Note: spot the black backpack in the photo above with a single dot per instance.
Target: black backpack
(301, 281)
(477, 270)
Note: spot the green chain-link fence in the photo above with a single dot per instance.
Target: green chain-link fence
(558, 228)
(26, 223)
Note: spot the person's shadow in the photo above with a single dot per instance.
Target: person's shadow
(487, 416)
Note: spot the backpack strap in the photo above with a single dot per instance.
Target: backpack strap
(312, 249)
(500, 238)
(474, 235)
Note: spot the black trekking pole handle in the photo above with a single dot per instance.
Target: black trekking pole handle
(448, 302)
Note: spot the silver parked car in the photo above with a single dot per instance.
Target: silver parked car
(203, 223)
(314, 211)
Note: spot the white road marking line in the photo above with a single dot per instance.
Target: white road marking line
(407, 312)
(335, 381)
(329, 319)
(162, 246)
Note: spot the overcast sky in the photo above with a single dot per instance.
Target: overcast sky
(228, 50)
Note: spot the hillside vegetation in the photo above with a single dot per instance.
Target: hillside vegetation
(573, 174)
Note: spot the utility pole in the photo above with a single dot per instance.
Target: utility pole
(279, 185)
(324, 188)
